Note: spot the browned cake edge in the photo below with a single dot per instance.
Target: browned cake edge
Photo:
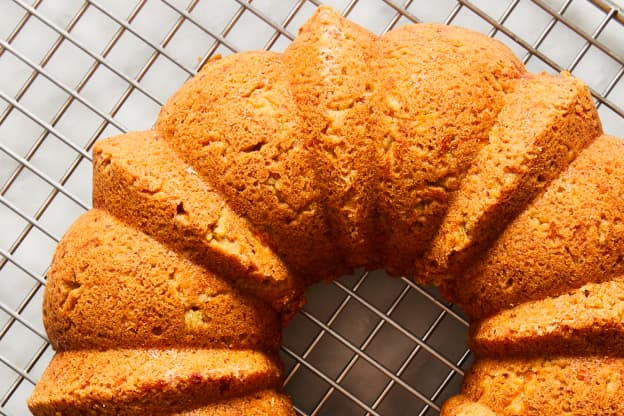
(545, 123)
(140, 180)
(548, 385)
(145, 381)
(461, 405)
(111, 286)
(586, 320)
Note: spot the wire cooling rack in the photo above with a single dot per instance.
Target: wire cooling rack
(72, 72)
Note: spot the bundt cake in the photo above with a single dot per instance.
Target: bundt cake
(428, 151)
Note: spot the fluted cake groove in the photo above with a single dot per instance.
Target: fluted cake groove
(429, 151)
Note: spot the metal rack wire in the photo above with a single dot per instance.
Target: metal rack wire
(72, 72)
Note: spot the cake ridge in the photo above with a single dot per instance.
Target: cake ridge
(506, 67)
(570, 235)
(330, 79)
(441, 89)
(587, 321)
(250, 142)
(545, 123)
(433, 98)
(551, 385)
(142, 381)
(462, 405)
(155, 297)
(137, 180)
(264, 402)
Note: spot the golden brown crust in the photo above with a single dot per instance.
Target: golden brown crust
(461, 405)
(572, 234)
(587, 320)
(544, 124)
(294, 144)
(554, 386)
(262, 403)
(329, 70)
(139, 179)
(146, 381)
(237, 124)
(440, 90)
(112, 286)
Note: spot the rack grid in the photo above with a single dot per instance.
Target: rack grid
(75, 71)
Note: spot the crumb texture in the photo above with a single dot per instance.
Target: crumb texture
(432, 110)
(154, 381)
(138, 178)
(586, 320)
(428, 151)
(236, 124)
(111, 286)
(543, 125)
(570, 235)
(329, 73)
(461, 405)
(571, 386)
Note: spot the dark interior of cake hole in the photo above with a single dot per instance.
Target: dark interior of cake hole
(393, 346)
